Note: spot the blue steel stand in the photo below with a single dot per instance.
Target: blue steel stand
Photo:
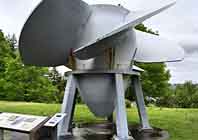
(140, 103)
(68, 105)
(121, 115)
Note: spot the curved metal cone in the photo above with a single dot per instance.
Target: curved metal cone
(98, 92)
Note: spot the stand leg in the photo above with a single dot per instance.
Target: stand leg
(121, 117)
(32, 136)
(1, 134)
(68, 106)
(140, 103)
(110, 118)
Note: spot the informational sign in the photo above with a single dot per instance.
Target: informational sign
(20, 122)
(55, 120)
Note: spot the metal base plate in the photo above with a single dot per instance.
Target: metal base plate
(106, 131)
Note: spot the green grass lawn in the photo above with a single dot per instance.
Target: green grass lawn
(182, 124)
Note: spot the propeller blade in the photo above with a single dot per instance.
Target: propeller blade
(130, 20)
(104, 18)
(152, 48)
(51, 32)
(136, 68)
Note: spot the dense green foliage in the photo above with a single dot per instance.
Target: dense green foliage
(19, 82)
(181, 95)
(155, 79)
(182, 124)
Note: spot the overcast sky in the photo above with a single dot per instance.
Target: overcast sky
(179, 23)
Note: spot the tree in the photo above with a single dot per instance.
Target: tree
(19, 82)
(186, 95)
(155, 79)
(182, 96)
(12, 41)
(143, 28)
(5, 53)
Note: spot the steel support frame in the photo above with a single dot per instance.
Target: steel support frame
(136, 83)
(121, 115)
(68, 106)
